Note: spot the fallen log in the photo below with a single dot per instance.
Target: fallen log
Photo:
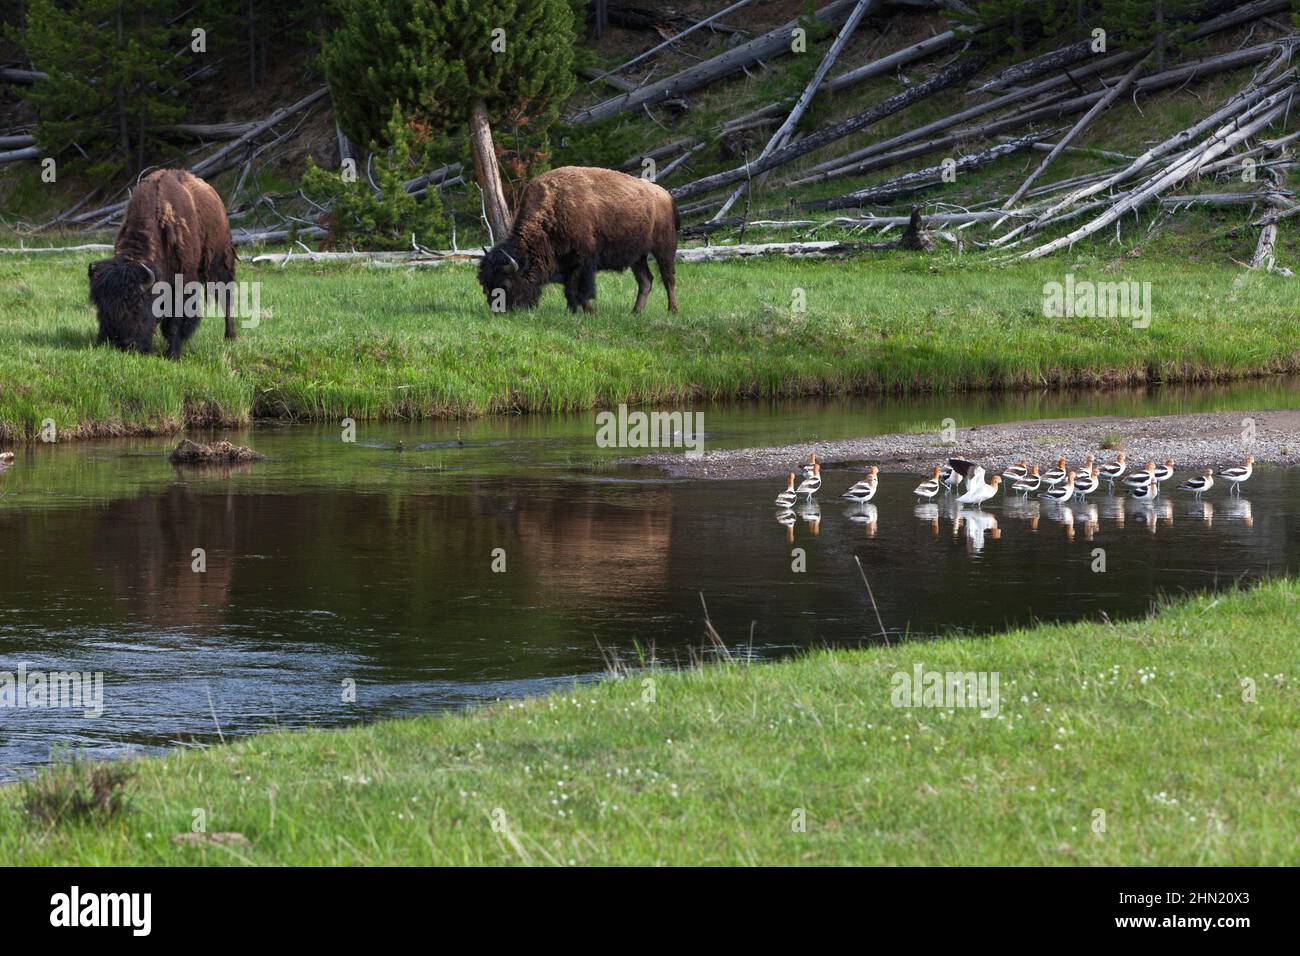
(813, 249)
(1240, 102)
(211, 130)
(957, 73)
(1217, 144)
(848, 222)
(1116, 91)
(923, 178)
(16, 142)
(18, 155)
(21, 77)
(782, 134)
(218, 161)
(671, 40)
(879, 67)
(1045, 87)
(56, 250)
(774, 43)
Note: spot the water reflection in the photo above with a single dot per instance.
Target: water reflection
(329, 563)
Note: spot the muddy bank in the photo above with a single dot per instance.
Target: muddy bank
(1193, 441)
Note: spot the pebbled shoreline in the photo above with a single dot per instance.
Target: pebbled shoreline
(1203, 440)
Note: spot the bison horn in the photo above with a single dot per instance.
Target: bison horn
(514, 266)
(153, 276)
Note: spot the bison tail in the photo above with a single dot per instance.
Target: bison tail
(677, 216)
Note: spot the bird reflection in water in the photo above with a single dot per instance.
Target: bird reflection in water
(866, 515)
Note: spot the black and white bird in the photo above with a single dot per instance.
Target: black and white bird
(928, 489)
(1238, 473)
(1113, 471)
(786, 499)
(979, 491)
(1017, 471)
(1199, 485)
(1144, 479)
(1061, 492)
(807, 468)
(1031, 482)
(864, 490)
(1145, 492)
(811, 484)
(950, 478)
(1086, 484)
(1163, 472)
(1055, 476)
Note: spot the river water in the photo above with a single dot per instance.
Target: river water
(345, 581)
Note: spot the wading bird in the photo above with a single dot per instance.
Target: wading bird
(980, 491)
(786, 499)
(1017, 471)
(807, 467)
(1236, 474)
(864, 490)
(1056, 475)
(1031, 482)
(812, 484)
(1114, 471)
(928, 489)
(1199, 485)
(1062, 491)
(1086, 484)
(1144, 479)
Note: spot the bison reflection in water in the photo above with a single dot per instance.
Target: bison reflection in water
(175, 226)
(573, 221)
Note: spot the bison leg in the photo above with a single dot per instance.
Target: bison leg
(587, 287)
(227, 309)
(572, 284)
(667, 262)
(644, 282)
(178, 333)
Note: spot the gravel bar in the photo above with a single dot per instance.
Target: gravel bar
(1193, 441)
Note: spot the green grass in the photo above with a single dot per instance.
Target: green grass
(415, 343)
(1144, 721)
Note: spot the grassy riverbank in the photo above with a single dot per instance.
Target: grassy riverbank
(338, 341)
(1141, 726)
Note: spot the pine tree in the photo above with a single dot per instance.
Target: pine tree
(114, 78)
(453, 65)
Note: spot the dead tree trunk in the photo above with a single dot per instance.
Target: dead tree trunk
(957, 73)
(487, 172)
(771, 44)
(782, 134)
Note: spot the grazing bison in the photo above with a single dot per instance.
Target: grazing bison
(575, 220)
(175, 225)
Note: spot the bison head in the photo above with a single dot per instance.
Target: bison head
(123, 296)
(507, 268)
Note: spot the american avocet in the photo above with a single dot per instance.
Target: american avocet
(1017, 471)
(807, 468)
(970, 472)
(1236, 474)
(1199, 485)
(1031, 482)
(1087, 484)
(1056, 475)
(1062, 491)
(950, 478)
(864, 490)
(1144, 492)
(980, 492)
(1143, 479)
(6, 458)
(1114, 471)
(810, 485)
(1163, 473)
(1086, 469)
(786, 499)
(928, 489)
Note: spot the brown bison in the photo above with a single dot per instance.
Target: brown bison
(573, 221)
(175, 225)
